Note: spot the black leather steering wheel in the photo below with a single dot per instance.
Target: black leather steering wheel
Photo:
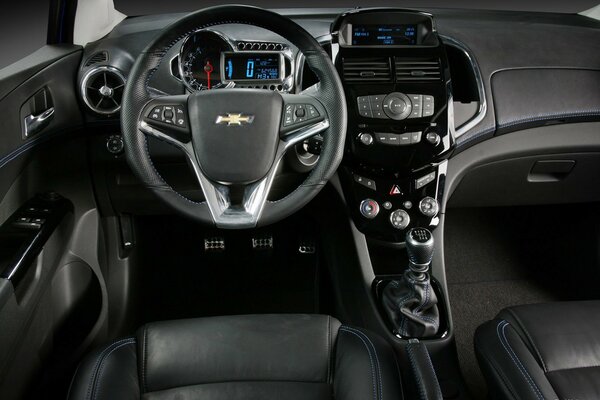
(235, 137)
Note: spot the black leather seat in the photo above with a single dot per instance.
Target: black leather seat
(242, 357)
(542, 351)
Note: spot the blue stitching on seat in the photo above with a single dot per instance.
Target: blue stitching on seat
(98, 361)
(344, 329)
(502, 335)
(97, 385)
(376, 357)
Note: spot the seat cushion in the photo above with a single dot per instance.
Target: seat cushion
(542, 351)
(242, 357)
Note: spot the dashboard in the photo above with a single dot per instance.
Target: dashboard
(419, 88)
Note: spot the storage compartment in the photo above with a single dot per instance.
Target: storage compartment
(547, 179)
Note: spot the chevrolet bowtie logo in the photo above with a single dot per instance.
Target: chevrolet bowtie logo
(234, 119)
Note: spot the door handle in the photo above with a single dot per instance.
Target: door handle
(35, 123)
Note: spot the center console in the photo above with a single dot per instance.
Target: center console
(395, 74)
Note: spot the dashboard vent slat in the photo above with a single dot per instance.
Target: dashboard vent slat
(367, 70)
(417, 70)
(100, 57)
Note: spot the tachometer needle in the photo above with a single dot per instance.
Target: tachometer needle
(208, 68)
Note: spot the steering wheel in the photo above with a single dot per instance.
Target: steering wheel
(235, 139)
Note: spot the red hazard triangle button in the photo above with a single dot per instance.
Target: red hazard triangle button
(395, 190)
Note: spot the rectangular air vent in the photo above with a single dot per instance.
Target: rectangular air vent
(367, 70)
(417, 69)
(100, 57)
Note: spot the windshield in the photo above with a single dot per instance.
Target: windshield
(145, 7)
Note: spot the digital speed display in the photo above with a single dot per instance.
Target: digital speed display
(384, 35)
(252, 66)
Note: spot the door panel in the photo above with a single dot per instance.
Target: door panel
(53, 308)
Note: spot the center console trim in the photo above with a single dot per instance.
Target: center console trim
(482, 110)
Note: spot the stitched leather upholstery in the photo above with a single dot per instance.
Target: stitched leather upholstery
(542, 351)
(242, 357)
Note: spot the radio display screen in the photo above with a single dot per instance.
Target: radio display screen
(384, 35)
(252, 66)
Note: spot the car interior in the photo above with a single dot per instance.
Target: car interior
(316, 201)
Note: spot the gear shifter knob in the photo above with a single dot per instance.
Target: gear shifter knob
(419, 245)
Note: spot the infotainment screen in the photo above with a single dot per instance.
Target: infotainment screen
(252, 66)
(384, 35)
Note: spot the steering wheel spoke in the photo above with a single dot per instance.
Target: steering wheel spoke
(166, 118)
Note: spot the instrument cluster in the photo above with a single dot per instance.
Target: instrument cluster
(210, 60)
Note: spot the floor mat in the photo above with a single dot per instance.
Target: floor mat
(474, 303)
(182, 280)
(498, 257)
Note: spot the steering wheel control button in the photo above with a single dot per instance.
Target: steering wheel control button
(115, 144)
(395, 191)
(399, 219)
(156, 113)
(369, 208)
(433, 138)
(366, 182)
(429, 207)
(299, 113)
(424, 180)
(312, 111)
(168, 115)
(366, 139)
(288, 117)
(387, 205)
(397, 106)
(180, 117)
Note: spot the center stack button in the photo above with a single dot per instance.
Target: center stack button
(397, 106)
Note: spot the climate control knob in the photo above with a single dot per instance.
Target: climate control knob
(429, 207)
(369, 208)
(366, 139)
(399, 219)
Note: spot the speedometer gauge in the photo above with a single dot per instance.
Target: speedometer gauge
(200, 60)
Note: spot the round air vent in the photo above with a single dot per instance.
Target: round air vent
(102, 89)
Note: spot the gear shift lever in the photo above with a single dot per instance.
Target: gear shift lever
(419, 245)
(410, 302)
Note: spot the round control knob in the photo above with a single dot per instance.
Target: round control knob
(433, 138)
(397, 106)
(369, 208)
(399, 219)
(366, 139)
(429, 207)
(114, 144)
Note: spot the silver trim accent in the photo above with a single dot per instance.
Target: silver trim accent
(226, 39)
(171, 67)
(287, 81)
(467, 126)
(237, 119)
(246, 215)
(84, 86)
(35, 123)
